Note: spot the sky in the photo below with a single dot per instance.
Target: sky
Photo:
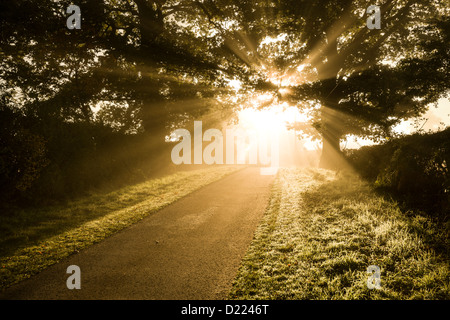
(438, 118)
(435, 119)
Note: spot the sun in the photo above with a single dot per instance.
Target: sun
(275, 120)
(270, 119)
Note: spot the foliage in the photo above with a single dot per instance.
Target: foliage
(414, 168)
(126, 62)
(137, 69)
(23, 155)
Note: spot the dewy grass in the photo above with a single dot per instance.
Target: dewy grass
(320, 233)
(50, 234)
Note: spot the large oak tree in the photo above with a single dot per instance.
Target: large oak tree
(142, 67)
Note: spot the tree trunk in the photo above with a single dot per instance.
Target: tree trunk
(153, 114)
(331, 157)
(331, 129)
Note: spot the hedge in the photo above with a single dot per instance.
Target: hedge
(413, 168)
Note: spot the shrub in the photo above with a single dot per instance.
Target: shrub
(413, 168)
(23, 155)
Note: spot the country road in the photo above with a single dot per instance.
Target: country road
(189, 250)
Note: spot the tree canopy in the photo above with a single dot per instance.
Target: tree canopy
(139, 68)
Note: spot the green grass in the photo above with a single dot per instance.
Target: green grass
(322, 230)
(34, 239)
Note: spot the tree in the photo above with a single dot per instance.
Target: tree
(369, 79)
(142, 67)
(363, 80)
(126, 60)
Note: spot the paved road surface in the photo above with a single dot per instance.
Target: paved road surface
(189, 250)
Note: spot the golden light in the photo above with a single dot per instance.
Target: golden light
(235, 84)
(284, 91)
(275, 120)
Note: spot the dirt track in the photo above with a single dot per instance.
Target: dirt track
(189, 250)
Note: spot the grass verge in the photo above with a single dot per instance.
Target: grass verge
(32, 240)
(320, 233)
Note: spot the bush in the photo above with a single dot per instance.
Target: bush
(413, 168)
(46, 162)
(22, 155)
